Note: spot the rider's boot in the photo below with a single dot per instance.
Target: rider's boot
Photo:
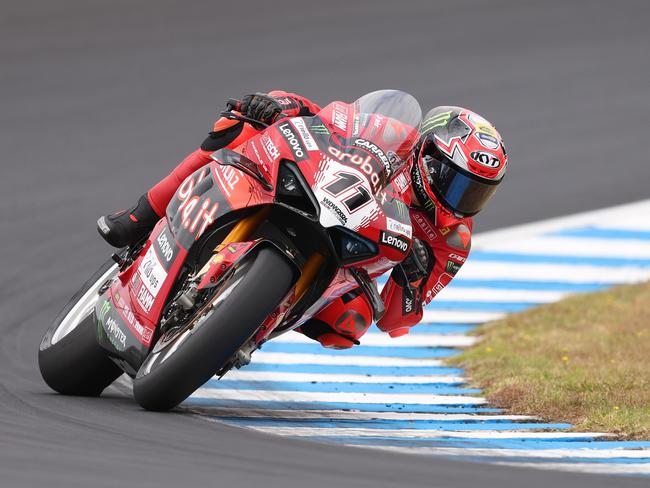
(127, 227)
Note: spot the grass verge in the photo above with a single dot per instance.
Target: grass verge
(583, 360)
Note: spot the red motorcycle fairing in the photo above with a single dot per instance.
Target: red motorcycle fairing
(354, 165)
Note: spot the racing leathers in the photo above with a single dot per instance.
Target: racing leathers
(444, 240)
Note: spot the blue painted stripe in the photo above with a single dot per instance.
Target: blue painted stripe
(381, 351)
(443, 440)
(443, 329)
(388, 424)
(365, 370)
(496, 443)
(541, 460)
(527, 285)
(330, 387)
(365, 407)
(615, 260)
(603, 233)
(460, 282)
(478, 306)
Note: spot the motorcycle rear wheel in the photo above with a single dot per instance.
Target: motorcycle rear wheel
(69, 358)
(171, 373)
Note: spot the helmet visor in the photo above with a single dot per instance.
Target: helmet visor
(456, 189)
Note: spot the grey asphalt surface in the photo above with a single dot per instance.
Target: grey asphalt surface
(100, 99)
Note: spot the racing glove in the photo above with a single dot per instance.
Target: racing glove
(261, 107)
(416, 264)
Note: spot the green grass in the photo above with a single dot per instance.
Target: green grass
(583, 360)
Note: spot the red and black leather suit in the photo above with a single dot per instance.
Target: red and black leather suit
(342, 323)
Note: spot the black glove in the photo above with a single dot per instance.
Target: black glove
(260, 106)
(416, 264)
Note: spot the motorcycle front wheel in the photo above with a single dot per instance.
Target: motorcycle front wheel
(176, 368)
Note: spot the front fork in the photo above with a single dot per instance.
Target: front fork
(237, 243)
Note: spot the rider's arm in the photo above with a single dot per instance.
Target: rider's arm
(231, 133)
(404, 301)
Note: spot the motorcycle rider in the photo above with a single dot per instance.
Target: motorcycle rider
(457, 165)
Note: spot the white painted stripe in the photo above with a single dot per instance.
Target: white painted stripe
(566, 273)
(359, 415)
(421, 433)
(384, 340)
(625, 215)
(341, 360)
(534, 453)
(568, 246)
(596, 468)
(261, 376)
(458, 316)
(336, 396)
(492, 295)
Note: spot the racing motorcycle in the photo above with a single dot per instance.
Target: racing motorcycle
(252, 245)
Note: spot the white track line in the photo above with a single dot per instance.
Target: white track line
(358, 415)
(565, 273)
(336, 396)
(384, 340)
(569, 246)
(421, 433)
(342, 360)
(492, 295)
(527, 453)
(263, 376)
(458, 316)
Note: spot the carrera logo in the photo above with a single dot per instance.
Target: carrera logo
(292, 140)
(373, 149)
(485, 159)
(394, 241)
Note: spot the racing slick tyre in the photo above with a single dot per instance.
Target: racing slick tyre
(177, 367)
(69, 357)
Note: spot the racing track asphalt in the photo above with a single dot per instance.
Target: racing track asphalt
(98, 99)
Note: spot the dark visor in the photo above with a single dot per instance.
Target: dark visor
(457, 190)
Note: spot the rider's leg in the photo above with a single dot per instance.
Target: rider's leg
(341, 324)
(127, 227)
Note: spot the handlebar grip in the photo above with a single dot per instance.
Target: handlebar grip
(234, 104)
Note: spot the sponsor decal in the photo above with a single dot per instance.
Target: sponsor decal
(376, 151)
(145, 299)
(452, 268)
(393, 240)
(166, 249)
(285, 101)
(486, 159)
(401, 182)
(340, 117)
(292, 140)
(319, 129)
(271, 150)
(355, 125)
(228, 176)
(445, 230)
(438, 120)
(407, 304)
(115, 334)
(398, 227)
(364, 164)
(197, 215)
(421, 193)
(487, 140)
(338, 213)
(152, 272)
(460, 259)
(305, 135)
(424, 225)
